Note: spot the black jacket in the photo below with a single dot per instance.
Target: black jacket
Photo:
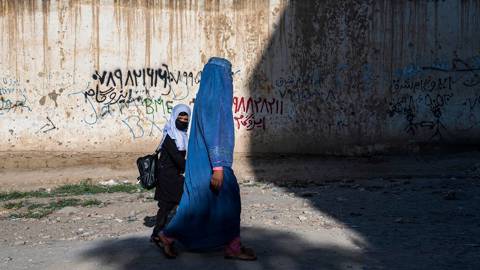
(170, 166)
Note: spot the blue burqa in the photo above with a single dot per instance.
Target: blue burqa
(206, 219)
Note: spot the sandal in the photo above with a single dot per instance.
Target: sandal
(156, 240)
(168, 249)
(245, 254)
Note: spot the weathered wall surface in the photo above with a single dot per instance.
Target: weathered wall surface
(367, 76)
(329, 77)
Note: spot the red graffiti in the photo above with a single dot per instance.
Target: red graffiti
(249, 122)
(259, 105)
(250, 112)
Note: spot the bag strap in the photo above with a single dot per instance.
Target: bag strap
(159, 147)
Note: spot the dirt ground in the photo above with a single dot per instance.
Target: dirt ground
(123, 213)
(369, 224)
(33, 170)
(414, 213)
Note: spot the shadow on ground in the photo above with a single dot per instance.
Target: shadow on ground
(416, 223)
(276, 250)
(421, 223)
(332, 64)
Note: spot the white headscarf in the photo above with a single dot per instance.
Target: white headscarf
(180, 137)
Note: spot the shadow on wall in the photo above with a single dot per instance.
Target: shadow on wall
(332, 64)
(314, 63)
(363, 77)
(276, 250)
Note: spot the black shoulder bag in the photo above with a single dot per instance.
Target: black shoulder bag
(146, 167)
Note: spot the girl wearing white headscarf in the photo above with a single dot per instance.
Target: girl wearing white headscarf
(171, 166)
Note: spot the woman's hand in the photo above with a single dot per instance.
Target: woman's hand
(217, 180)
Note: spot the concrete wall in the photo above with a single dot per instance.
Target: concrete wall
(328, 77)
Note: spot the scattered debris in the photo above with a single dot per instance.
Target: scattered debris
(19, 243)
(302, 218)
(450, 196)
(111, 182)
(68, 211)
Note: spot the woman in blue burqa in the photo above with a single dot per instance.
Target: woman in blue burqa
(208, 215)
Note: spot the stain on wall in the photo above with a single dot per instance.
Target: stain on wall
(327, 77)
(371, 76)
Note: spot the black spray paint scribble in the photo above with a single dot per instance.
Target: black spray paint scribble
(422, 95)
(428, 84)
(118, 86)
(152, 77)
(472, 103)
(465, 71)
(114, 97)
(97, 113)
(49, 126)
(139, 122)
(410, 107)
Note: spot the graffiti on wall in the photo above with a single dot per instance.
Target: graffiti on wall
(14, 105)
(469, 115)
(422, 95)
(122, 87)
(250, 113)
(410, 106)
(13, 98)
(131, 115)
(47, 127)
(319, 93)
(316, 84)
(142, 99)
(138, 99)
(300, 87)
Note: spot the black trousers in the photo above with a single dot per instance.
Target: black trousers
(164, 209)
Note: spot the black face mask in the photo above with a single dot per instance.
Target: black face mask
(183, 126)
